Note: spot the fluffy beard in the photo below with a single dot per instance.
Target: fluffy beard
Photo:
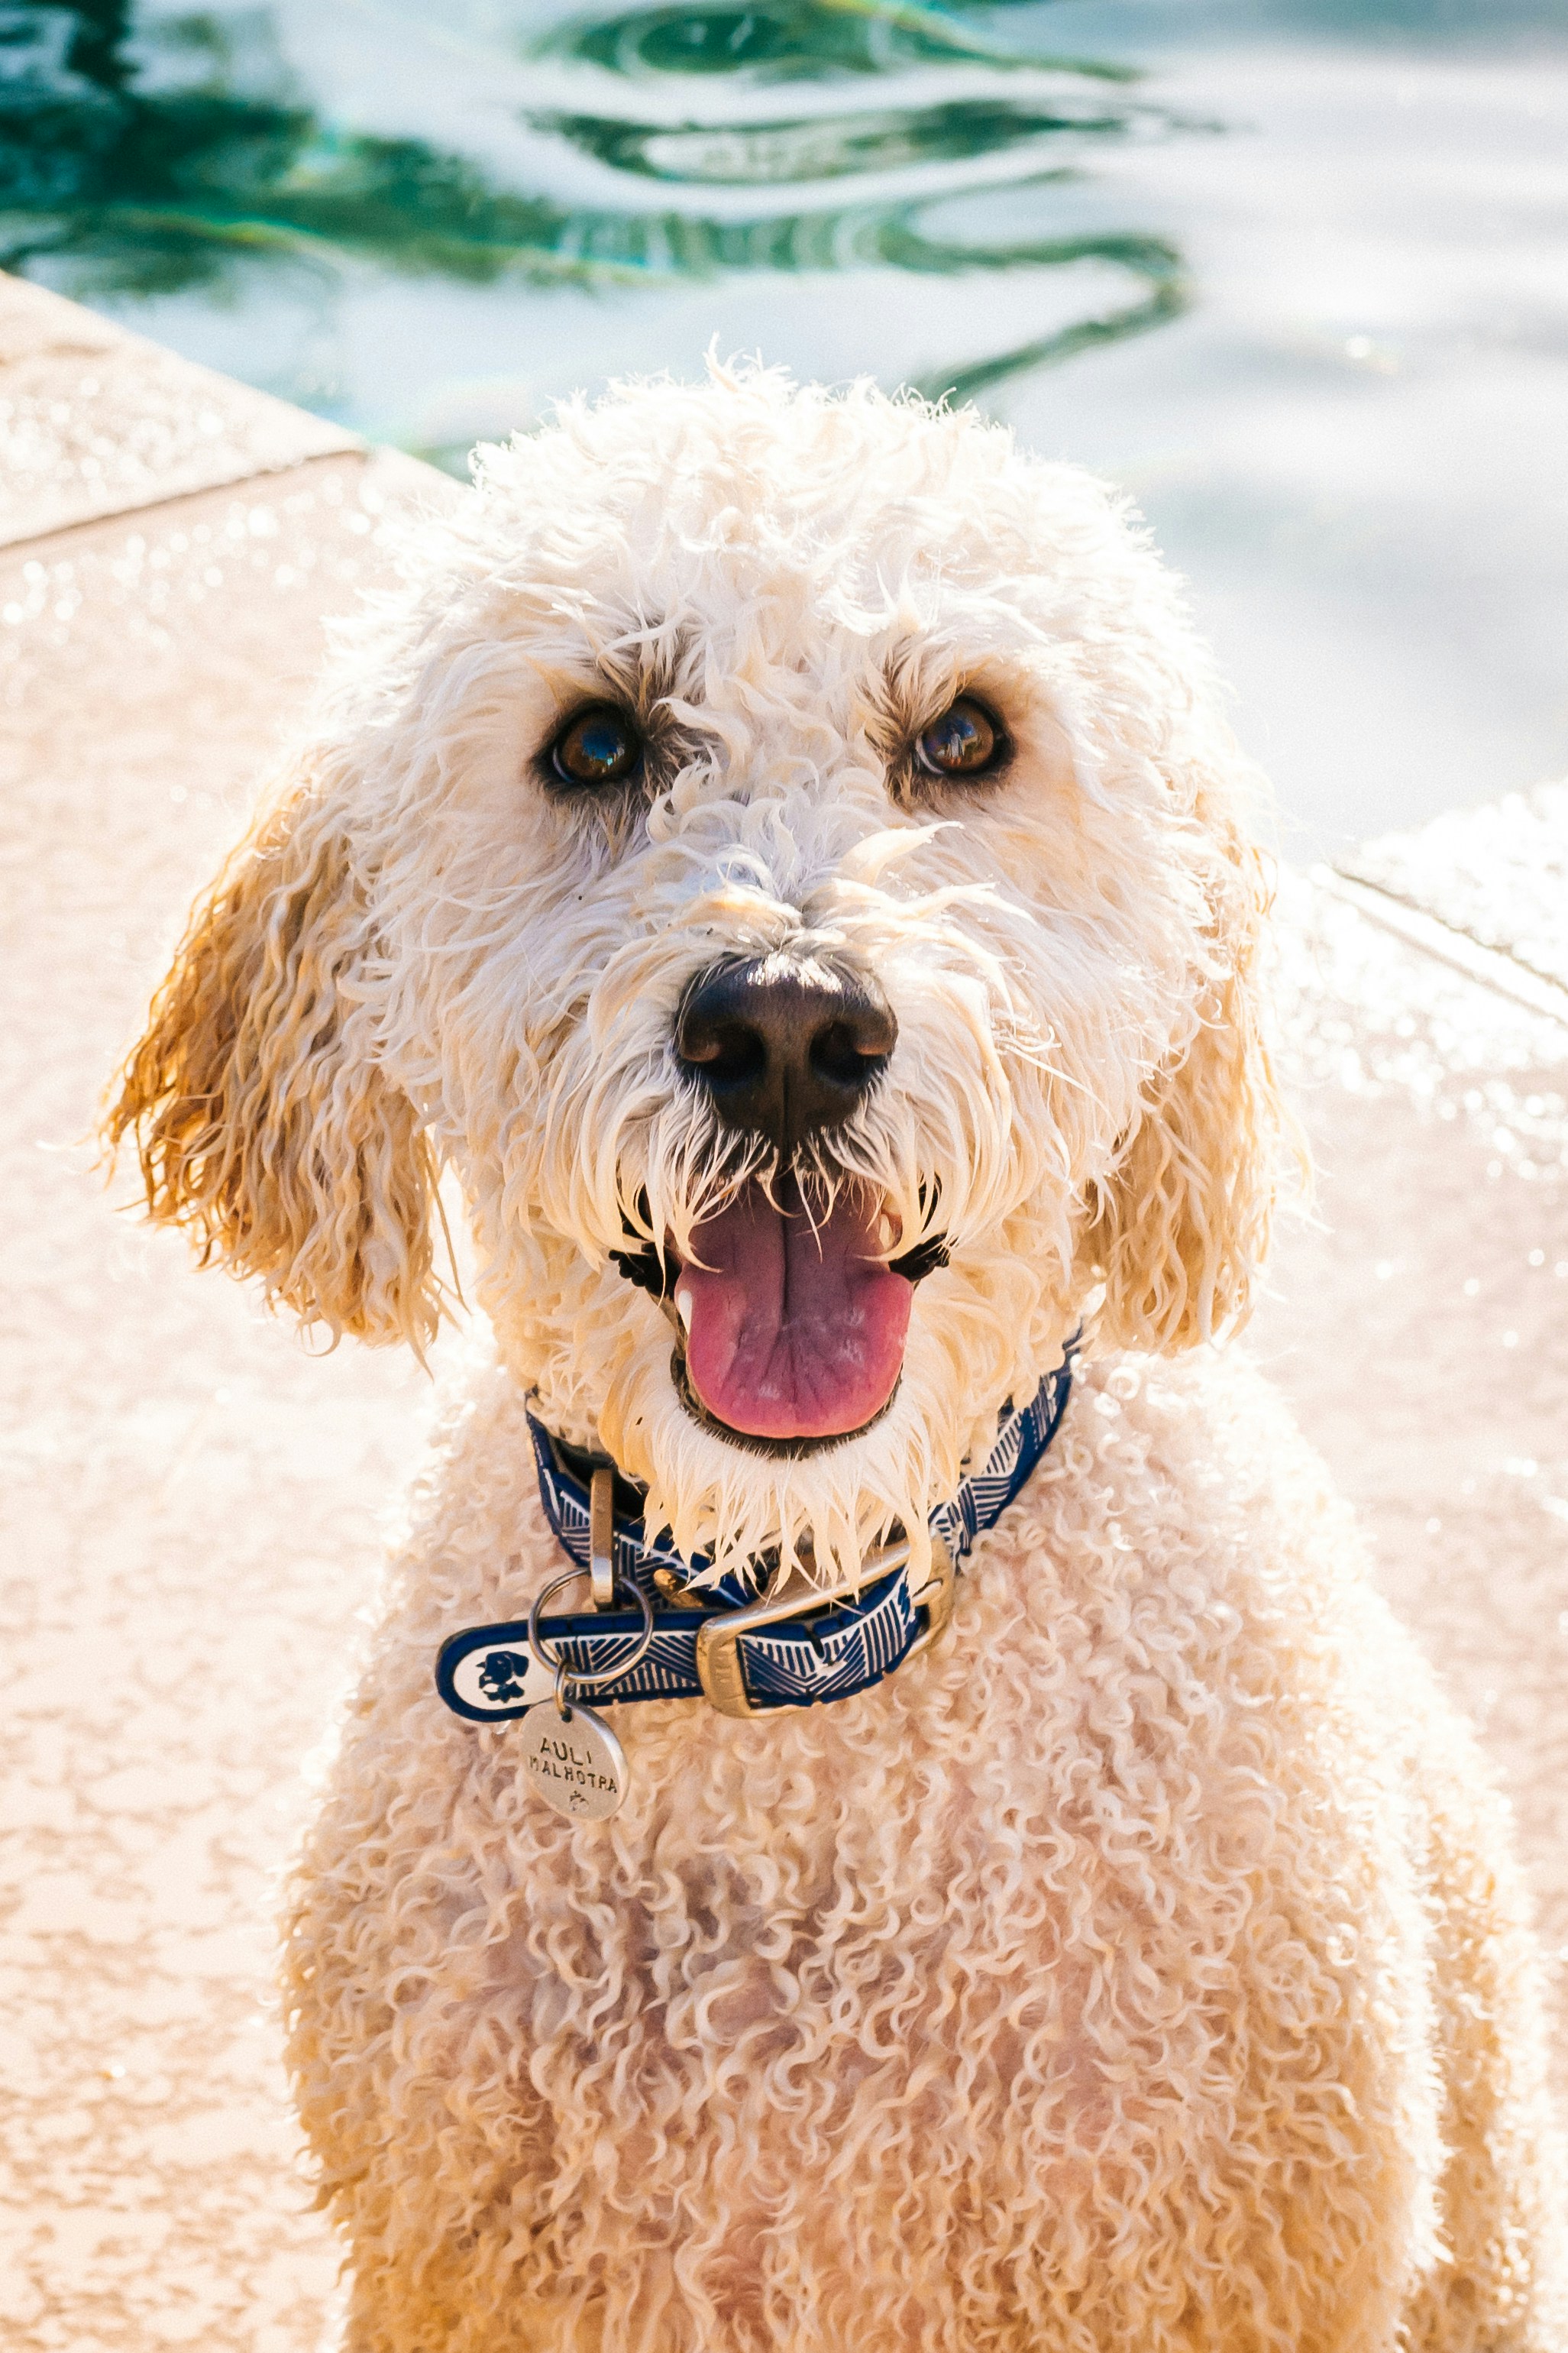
(985, 1140)
(600, 1356)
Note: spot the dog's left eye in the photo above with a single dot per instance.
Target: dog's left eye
(599, 746)
(964, 742)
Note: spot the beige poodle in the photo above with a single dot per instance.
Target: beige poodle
(782, 854)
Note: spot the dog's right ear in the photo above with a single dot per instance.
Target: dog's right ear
(264, 1122)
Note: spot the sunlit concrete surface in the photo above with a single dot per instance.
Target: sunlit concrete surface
(194, 1507)
(94, 422)
(1420, 1322)
(1499, 875)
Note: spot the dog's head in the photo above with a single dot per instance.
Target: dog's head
(784, 854)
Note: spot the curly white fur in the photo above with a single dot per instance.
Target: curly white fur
(1140, 1971)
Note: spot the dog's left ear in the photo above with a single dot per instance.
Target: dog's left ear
(1182, 1221)
(264, 1122)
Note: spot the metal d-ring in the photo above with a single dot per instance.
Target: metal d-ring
(565, 1675)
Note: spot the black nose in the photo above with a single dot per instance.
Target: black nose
(784, 1045)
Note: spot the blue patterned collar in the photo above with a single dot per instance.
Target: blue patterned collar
(719, 1640)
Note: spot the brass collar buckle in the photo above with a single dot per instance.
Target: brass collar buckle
(720, 1664)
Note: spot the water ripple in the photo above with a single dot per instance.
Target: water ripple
(144, 158)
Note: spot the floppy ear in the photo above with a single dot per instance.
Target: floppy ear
(263, 1122)
(1183, 1219)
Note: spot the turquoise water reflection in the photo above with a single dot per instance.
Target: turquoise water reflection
(810, 147)
(145, 157)
(790, 40)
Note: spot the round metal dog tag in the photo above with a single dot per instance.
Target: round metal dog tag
(574, 1760)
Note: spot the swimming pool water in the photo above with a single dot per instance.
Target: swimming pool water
(1298, 277)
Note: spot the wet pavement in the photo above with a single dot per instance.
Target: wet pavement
(94, 422)
(195, 1506)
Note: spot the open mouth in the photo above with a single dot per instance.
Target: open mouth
(792, 1326)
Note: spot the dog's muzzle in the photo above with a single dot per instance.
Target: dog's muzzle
(785, 1046)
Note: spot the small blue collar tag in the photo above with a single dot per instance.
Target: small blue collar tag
(830, 1651)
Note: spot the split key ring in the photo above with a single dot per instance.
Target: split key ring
(568, 1684)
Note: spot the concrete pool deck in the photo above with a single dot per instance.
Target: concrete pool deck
(195, 1506)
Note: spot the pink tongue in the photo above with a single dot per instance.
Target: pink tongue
(793, 1331)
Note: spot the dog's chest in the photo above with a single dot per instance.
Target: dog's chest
(801, 1939)
(1008, 1884)
(984, 1963)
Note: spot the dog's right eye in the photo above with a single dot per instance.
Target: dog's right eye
(599, 746)
(964, 742)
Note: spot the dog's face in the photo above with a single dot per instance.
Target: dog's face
(784, 855)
